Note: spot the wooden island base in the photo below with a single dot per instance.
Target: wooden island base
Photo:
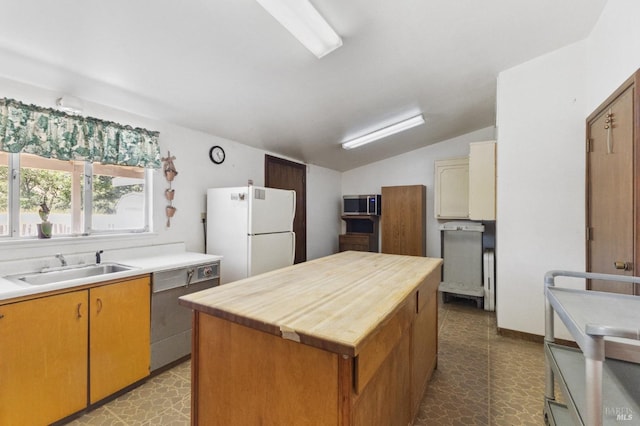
(289, 368)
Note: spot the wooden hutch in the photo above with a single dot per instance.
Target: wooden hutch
(361, 235)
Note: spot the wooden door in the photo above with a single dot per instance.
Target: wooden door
(119, 347)
(610, 191)
(284, 174)
(43, 360)
(403, 220)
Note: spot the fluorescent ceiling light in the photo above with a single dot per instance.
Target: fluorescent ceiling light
(305, 23)
(384, 132)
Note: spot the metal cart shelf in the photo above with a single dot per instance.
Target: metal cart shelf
(601, 380)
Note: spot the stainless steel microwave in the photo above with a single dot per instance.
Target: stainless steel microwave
(361, 204)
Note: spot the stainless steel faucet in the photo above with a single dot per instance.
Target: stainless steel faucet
(62, 259)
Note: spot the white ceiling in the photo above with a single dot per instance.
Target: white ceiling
(228, 68)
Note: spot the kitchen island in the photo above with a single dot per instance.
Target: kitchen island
(348, 339)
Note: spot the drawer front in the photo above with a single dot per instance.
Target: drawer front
(357, 242)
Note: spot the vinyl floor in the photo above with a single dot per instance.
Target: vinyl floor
(482, 379)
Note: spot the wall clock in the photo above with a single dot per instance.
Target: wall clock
(216, 154)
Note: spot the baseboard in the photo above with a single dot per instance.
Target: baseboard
(530, 337)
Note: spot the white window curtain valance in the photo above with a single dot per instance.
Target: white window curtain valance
(50, 133)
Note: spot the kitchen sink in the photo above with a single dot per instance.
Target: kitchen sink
(68, 273)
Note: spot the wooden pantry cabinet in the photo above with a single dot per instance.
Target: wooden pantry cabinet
(404, 220)
(66, 351)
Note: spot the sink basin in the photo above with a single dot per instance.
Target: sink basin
(68, 273)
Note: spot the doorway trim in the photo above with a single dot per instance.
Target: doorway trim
(301, 216)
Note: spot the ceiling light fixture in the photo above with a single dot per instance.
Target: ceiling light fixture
(384, 132)
(305, 23)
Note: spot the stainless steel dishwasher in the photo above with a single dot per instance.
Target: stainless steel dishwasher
(170, 322)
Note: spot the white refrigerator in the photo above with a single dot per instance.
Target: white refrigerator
(252, 228)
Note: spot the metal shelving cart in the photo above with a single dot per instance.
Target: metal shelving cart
(600, 381)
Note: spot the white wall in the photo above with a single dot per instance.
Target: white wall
(196, 173)
(613, 50)
(413, 168)
(540, 195)
(542, 107)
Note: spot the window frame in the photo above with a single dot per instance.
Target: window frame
(85, 215)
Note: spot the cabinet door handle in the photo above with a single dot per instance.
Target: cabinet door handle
(78, 311)
(99, 303)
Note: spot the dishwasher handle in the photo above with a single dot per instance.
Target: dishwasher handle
(190, 273)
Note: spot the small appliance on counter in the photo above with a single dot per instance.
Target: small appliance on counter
(251, 227)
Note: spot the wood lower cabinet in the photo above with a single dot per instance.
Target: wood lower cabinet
(357, 242)
(424, 339)
(60, 353)
(404, 220)
(361, 235)
(43, 360)
(119, 348)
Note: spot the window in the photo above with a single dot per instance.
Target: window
(46, 181)
(4, 194)
(118, 198)
(82, 198)
(64, 174)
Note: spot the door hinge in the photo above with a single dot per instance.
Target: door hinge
(589, 144)
(589, 233)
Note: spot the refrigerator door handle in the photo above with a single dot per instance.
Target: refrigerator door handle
(293, 247)
(293, 207)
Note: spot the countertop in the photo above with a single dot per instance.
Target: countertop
(339, 299)
(141, 265)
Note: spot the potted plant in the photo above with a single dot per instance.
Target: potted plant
(44, 228)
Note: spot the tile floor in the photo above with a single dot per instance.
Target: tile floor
(482, 379)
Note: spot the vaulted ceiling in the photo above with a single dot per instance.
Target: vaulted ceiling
(226, 67)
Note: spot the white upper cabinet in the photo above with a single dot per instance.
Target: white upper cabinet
(482, 180)
(452, 188)
(465, 188)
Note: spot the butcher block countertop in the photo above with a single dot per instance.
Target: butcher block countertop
(333, 303)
